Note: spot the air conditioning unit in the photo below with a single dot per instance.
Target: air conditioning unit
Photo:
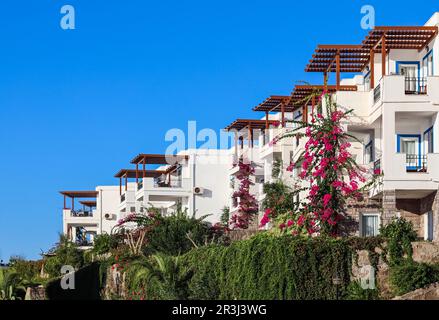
(109, 216)
(198, 190)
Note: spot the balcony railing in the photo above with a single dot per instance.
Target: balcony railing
(414, 85)
(160, 183)
(84, 243)
(377, 93)
(377, 166)
(81, 213)
(416, 163)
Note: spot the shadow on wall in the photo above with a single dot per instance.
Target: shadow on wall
(87, 286)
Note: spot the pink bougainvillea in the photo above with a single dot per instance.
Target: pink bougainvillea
(332, 173)
(248, 205)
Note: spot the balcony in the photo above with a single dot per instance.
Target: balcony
(162, 183)
(80, 213)
(377, 93)
(414, 85)
(416, 163)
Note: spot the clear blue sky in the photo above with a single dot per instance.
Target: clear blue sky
(77, 105)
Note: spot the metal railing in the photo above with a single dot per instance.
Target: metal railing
(377, 166)
(377, 93)
(415, 85)
(416, 163)
(163, 183)
(81, 213)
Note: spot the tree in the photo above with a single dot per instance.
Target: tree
(326, 164)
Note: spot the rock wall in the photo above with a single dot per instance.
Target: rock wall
(429, 293)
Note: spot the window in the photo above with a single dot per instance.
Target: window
(368, 153)
(428, 226)
(427, 65)
(369, 226)
(367, 82)
(428, 141)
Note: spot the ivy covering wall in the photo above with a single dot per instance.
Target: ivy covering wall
(272, 268)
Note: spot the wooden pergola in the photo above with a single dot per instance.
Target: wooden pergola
(338, 58)
(250, 124)
(78, 195)
(383, 39)
(125, 174)
(280, 104)
(160, 159)
(88, 203)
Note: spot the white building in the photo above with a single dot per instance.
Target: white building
(395, 98)
(198, 180)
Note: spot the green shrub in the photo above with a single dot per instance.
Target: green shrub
(410, 276)
(356, 292)
(65, 253)
(28, 270)
(103, 243)
(158, 277)
(272, 268)
(400, 235)
(178, 233)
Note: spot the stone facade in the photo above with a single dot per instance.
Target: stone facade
(429, 293)
(389, 207)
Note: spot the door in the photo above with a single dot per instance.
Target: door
(409, 145)
(428, 226)
(410, 72)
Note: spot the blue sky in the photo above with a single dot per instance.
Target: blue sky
(77, 105)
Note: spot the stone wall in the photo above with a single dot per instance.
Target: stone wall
(425, 252)
(389, 207)
(37, 293)
(429, 293)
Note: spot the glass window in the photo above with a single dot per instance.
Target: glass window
(428, 141)
(369, 225)
(368, 153)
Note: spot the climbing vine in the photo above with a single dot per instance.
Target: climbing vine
(247, 203)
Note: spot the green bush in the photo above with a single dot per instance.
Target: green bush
(271, 268)
(103, 243)
(400, 235)
(178, 233)
(356, 292)
(28, 270)
(410, 276)
(65, 253)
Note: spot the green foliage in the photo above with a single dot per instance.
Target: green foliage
(11, 285)
(178, 233)
(225, 216)
(400, 235)
(410, 276)
(269, 267)
(103, 243)
(356, 292)
(159, 277)
(29, 271)
(280, 197)
(65, 253)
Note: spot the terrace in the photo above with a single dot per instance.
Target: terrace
(87, 205)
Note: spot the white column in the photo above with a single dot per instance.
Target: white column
(436, 133)
(389, 139)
